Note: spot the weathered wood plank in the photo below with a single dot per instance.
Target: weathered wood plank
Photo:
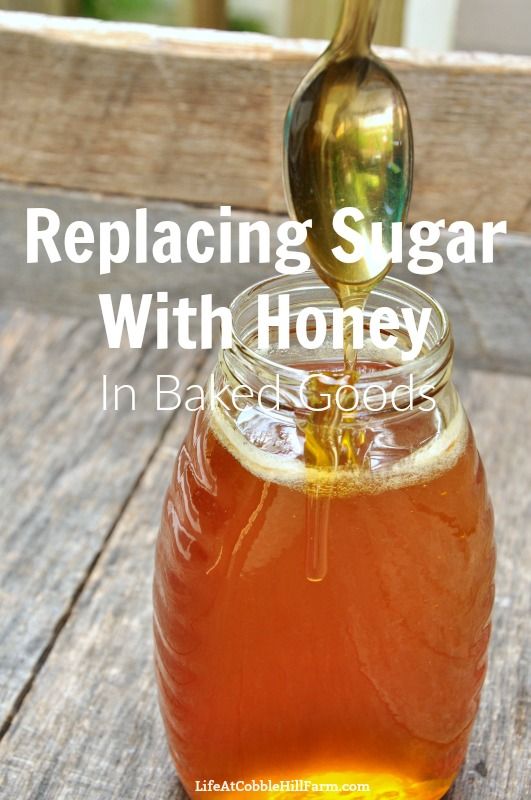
(66, 470)
(90, 728)
(497, 767)
(100, 735)
(488, 304)
(190, 116)
(54, 287)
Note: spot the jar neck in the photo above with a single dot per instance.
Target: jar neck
(288, 369)
(356, 27)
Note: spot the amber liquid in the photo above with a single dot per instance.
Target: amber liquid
(370, 676)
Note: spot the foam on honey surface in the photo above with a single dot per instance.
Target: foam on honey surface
(425, 464)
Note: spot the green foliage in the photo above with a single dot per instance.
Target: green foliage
(134, 10)
(246, 24)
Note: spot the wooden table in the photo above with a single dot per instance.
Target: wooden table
(81, 490)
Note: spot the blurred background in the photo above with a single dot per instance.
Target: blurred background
(438, 25)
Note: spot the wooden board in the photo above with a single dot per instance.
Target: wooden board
(100, 736)
(89, 728)
(66, 470)
(497, 767)
(155, 113)
(195, 116)
(488, 304)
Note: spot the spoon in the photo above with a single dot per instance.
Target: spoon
(348, 142)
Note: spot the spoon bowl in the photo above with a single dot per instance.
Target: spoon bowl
(348, 142)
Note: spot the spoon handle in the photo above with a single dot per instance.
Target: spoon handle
(356, 26)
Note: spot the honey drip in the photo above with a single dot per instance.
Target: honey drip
(329, 443)
(348, 142)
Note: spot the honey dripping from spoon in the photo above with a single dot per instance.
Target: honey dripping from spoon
(348, 143)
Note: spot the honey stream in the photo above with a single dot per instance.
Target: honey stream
(348, 142)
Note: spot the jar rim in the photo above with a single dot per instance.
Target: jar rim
(429, 363)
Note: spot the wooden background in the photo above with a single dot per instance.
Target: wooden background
(96, 120)
(181, 115)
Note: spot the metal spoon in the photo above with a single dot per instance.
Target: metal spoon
(348, 142)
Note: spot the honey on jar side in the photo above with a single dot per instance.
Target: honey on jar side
(369, 676)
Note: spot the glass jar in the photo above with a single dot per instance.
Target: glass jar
(326, 625)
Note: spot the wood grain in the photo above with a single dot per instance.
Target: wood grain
(54, 287)
(89, 728)
(98, 733)
(66, 470)
(488, 304)
(195, 116)
(497, 767)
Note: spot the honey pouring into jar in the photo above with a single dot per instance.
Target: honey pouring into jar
(348, 143)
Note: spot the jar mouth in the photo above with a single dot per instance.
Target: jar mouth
(268, 426)
(309, 290)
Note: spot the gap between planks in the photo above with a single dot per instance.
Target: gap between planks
(19, 701)
(65, 474)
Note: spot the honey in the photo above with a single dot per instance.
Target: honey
(324, 578)
(348, 143)
(371, 676)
